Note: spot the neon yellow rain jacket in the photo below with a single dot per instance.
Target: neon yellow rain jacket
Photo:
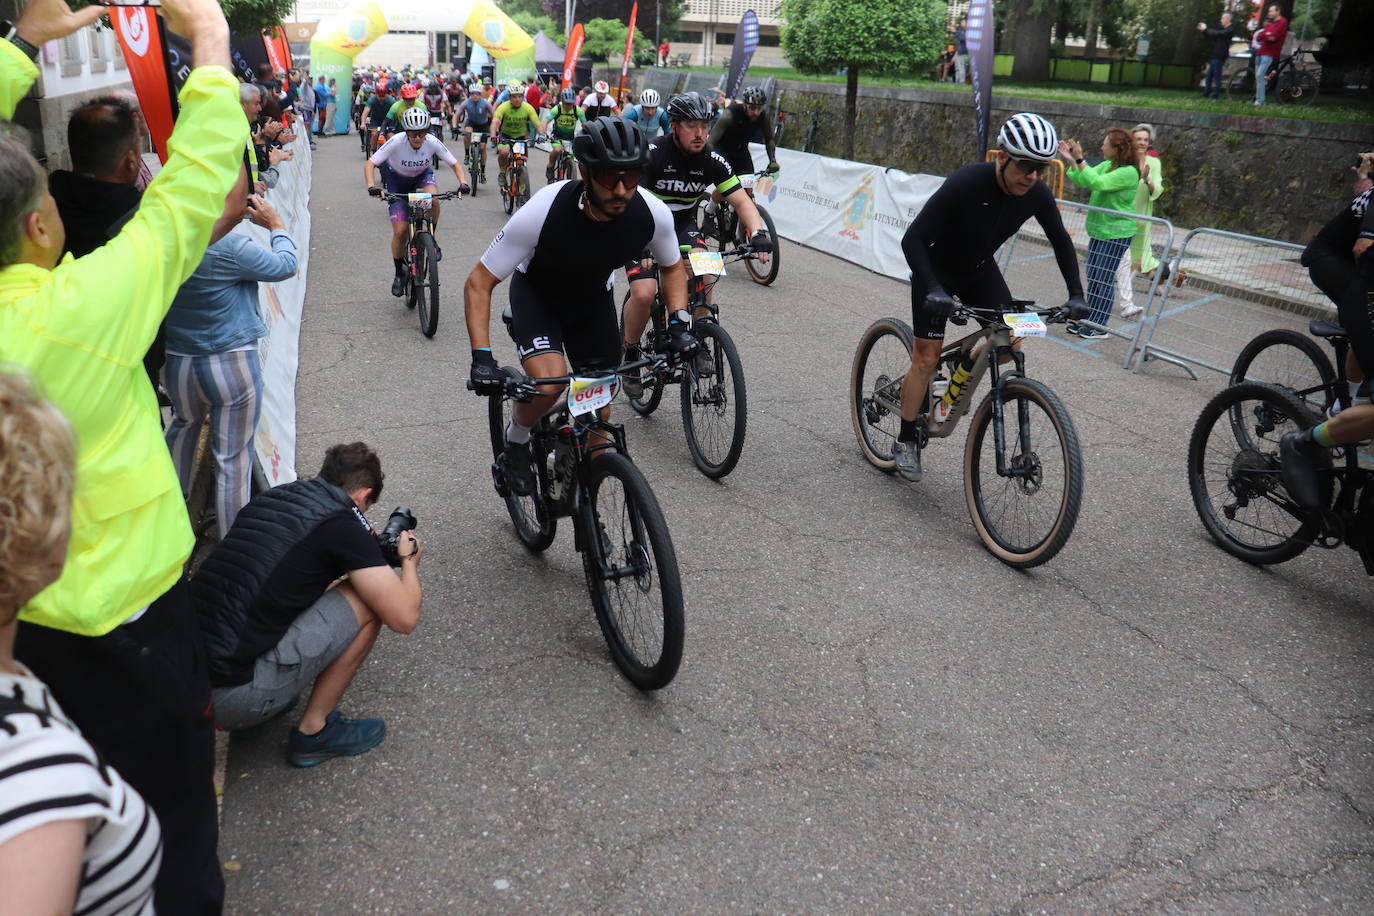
(82, 329)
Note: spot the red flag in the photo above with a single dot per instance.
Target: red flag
(629, 49)
(278, 51)
(570, 59)
(141, 40)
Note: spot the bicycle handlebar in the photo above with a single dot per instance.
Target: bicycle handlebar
(1054, 315)
(521, 387)
(437, 195)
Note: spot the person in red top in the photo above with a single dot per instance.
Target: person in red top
(1268, 46)
(534, 95)
(663, 50)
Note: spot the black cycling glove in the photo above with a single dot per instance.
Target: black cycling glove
(486, 374)
(760, 241)
(939, 302)
(465, 188)
(375, 192)
(1075, 309)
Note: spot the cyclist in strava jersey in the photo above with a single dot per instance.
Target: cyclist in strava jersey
(561, 125)
(511, 122)
(408, 158)
(561, 250)
(680, 170)
(738, 125)
(651, 119)
(477, 112)
(1340, 260)
(950, 248)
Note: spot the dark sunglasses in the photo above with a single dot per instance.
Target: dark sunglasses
(1030, 166)
(609, 178)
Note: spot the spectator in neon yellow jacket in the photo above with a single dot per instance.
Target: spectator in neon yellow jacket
(114, 637)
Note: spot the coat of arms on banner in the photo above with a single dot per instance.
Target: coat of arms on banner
(859, 210)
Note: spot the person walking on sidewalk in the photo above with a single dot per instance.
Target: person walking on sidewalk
(1220, 37)
(1113, 184)
(1142, 260)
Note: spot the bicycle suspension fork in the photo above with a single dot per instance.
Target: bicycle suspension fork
(999, 437)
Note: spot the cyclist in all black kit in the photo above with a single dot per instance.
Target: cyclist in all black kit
(681, 168)
(562, 250)
(738, 125)
(1340, 260)
(950, 248)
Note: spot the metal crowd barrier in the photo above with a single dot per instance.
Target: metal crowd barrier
(1236, 286)
(1074, 214)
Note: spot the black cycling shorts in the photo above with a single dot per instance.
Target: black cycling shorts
(687, 234)
(983, 289)
(586, 332)
(1340, 278)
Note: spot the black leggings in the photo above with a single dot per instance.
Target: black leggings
(1353, 292)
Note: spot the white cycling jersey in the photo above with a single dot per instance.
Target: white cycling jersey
(403, 160)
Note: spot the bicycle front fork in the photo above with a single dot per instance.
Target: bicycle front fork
(999, 432)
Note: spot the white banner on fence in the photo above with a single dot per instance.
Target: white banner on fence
(281, 305)
(855, 211)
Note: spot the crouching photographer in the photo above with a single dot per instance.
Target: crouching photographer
(277, 619)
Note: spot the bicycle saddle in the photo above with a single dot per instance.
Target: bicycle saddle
(1325, 329)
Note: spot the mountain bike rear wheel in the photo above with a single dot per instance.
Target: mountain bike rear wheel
(875, 383)
(632, 572)
(1233, 473)
(647, 402)
(535, 525)
(714, 404)
(1290, 360)
(1024, 519)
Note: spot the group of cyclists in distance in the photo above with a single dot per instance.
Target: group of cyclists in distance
(643, 169)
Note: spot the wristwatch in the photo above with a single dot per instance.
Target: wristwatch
(1078, 161)
(11, 33)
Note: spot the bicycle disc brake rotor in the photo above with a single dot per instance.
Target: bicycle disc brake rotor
(637, 555)
(1028, 472)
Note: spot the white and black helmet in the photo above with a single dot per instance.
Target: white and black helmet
(416, 118)
(649, 98)
(1029, 136)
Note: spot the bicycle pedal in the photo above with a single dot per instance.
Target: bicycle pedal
(498, 479)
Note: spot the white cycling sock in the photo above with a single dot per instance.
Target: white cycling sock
(517, 434)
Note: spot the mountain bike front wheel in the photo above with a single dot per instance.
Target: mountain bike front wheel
(762, 274)
(535, 525)
(427, 283)
(1025, 516)
(632, 572)
(714, 405)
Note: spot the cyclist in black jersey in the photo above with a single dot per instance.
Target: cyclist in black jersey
(561, 250)
(739, 124)
(1340, 260)
(950, 248)
(680, 170)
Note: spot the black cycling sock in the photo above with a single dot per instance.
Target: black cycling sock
(908, 431)
(400, 266)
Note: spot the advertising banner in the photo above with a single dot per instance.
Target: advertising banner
(852, 210)
(278, 51)
(281, 305)
(629, 49)
(979, 36)
(247, 53)
(746, 42)
(570, 59)
(140, 38)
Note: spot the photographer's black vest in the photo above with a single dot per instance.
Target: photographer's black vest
(228, 582)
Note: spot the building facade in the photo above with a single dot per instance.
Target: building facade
(706, 33)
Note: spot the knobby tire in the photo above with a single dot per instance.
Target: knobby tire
(882, 358)
(711, 405)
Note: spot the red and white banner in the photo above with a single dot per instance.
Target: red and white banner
(629, 49)
(141, 39)
(278, 51)
(570, 59)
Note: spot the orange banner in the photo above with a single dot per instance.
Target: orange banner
(570, 59)
(141, 39)
(278, 51)
(629, 49)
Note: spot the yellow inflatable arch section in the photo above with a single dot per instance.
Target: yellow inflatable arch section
(339, 38)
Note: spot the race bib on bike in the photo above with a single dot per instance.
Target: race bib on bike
(420, 200)
(704, 263)
(746, 181)
(586, 395)
(1026, 325)
(518, 148)
(435, 122)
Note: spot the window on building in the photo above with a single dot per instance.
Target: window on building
(689, 38)
(100, 54)
(725, 38)
(769, 41)
(73, 56)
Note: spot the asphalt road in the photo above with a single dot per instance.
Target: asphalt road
(873, 714)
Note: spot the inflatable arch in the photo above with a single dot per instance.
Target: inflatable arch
(339, 38)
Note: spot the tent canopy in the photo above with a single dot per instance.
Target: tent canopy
(547, 51)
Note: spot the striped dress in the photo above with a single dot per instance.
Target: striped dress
(49, 773)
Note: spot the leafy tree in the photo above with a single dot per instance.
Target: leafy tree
(606, 40)
(887, 36)
(247, 15)
(669, 13)
(536, 22)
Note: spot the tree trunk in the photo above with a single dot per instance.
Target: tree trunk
(1090, 33)
(1186, 51)
(1032, 44)
(851, 109)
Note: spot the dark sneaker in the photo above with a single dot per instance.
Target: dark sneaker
(1088, 333)
(907, 458)
(398, 286)
(340, 737)
(704, 363)
(1302, 465)
(519, 469)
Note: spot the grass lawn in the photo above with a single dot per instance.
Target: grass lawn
(1338, 109)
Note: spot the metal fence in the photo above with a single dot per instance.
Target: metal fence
(1224, 288)
(1018, 255)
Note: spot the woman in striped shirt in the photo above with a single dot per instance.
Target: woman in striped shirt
(73, 836)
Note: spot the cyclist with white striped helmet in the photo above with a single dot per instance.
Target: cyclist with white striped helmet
(951, 246)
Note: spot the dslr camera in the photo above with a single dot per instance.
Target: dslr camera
(389, 538)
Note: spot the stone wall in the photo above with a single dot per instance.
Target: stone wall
(1265, 176)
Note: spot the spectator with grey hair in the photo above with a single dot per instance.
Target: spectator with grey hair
(1142, 259)
(114, 636)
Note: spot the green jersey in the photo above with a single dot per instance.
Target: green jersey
(565, 122)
